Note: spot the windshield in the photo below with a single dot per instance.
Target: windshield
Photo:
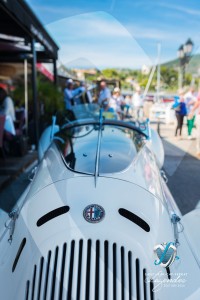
(117, 146)
(84, 111)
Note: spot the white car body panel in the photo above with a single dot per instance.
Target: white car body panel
(66, 257)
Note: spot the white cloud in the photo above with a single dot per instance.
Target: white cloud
(181, 8)
(91, 25)
(99, 38)
(103, 59)
(148, 33)
(158, 33)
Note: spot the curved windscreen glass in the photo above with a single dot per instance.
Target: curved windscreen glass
(112, 148)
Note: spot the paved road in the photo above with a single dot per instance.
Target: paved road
(182, 168)
(11, 193)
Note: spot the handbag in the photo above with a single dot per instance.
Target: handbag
(177, 108)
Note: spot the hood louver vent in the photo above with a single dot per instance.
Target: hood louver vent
(52, 215)
(88, 270)
(134, 218)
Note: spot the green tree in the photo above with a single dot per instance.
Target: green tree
(110, 73)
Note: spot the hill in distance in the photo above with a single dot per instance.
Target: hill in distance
(193, 66)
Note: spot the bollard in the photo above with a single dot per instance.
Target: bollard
(158, 127)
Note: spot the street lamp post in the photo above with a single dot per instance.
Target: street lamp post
(184, 55)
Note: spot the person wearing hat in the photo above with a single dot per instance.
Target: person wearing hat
(70, 94)
(117, 100)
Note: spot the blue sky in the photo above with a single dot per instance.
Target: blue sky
(119, 33)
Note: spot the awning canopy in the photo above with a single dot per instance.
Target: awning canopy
(18, 26)
(24, 39)
(10, 71)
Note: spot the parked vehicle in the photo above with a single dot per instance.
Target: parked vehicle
(98, 221)
(162, 111)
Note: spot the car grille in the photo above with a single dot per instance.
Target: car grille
(89, 270)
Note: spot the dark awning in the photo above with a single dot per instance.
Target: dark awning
(18, 20)
(23, 38)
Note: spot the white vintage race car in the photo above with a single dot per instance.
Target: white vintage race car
(98, 222)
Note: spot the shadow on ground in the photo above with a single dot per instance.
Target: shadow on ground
(14, 178)
(183, 172)
(10, 194)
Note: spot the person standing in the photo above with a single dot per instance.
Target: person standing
(116, 100)
(196, 109)
(190, 99)
(181, 112)
(104, 95)
(137, 101)
(70, 94)
(6, 105)
(80, 98)
(7, 109)
(86, 96)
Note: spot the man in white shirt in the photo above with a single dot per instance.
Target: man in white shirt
(105, 94)
(137, 102)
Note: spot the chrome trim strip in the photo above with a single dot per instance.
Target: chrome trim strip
(98, 147)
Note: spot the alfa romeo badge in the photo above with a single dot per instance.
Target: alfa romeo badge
(94, 213)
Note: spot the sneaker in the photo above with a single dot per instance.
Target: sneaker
(189, 137)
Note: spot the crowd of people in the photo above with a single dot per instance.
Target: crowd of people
(76, 95)
(123, 106)
(186, 105)
(113, 102)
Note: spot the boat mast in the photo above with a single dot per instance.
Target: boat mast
(158, 72)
